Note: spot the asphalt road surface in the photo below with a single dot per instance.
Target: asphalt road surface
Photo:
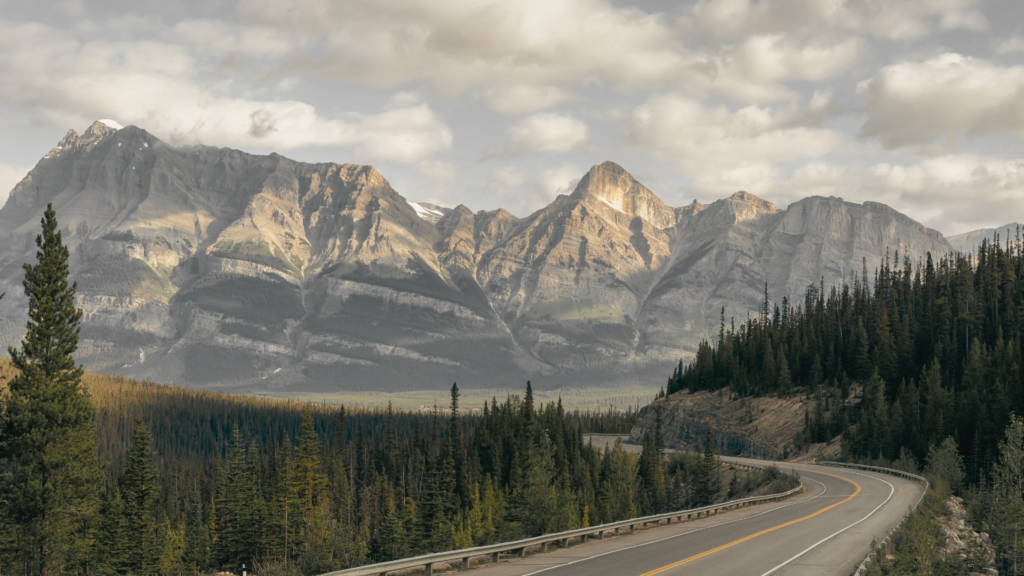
(827, 530)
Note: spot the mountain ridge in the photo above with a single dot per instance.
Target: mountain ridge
(218, 268)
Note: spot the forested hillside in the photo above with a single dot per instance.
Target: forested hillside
(936, 346)
(201, 481)
(210, 480)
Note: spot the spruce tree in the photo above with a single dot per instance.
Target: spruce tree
(50, 478)
(114, 535)
(139, 493)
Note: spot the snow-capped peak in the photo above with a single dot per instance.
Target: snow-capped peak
(111, 123)
(425, 213)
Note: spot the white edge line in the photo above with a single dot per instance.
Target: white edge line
(682, 533)
(892, 490)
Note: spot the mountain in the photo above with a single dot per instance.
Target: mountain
(969, 241)
(216, 268)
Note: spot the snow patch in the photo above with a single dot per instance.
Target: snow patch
(425, 213)
(111, 123)
(617, 205)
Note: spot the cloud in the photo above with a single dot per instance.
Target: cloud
(1011, 45)
(506, 177)
(943, 192)
(401, 135)
(947, 96)
(524, 56)
(546, 133)
(156, 86)
(552, 182)
(723, 150)
(220, 38)
(522, 99)
(890, 19)
(773, 58)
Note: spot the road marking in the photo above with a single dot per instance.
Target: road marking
(892, 490)
(824, 489)
(762, 532)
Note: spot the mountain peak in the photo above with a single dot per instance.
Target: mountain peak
(100, 129)
(612, 185)
(744, 196)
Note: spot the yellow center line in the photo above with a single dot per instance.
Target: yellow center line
(772, 529)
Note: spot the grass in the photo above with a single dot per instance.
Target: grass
(568, 310)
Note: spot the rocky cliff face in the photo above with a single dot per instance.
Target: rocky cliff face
(215, 267)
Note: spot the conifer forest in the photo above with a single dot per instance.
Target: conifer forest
(918, 367)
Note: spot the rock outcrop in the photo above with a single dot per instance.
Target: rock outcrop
(246, 271)
(759, 427)
(962, 542)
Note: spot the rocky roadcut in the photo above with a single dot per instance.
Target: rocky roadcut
(214, 267)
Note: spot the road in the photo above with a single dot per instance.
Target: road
(827, 530)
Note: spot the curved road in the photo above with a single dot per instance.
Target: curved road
(827, 530)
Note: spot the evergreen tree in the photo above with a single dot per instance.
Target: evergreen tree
(139, 493)
(114, 536)
(196, 552)
(51, 480)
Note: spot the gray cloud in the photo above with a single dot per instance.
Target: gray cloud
(907, 102)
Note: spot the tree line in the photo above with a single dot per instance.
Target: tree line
(934, 348)
(916, 367)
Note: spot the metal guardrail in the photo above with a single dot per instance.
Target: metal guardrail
(520, 546)
(869, 560)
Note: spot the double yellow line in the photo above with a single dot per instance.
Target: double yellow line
(752, 536)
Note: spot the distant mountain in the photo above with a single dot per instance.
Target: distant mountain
(217, 268)
(969, 241)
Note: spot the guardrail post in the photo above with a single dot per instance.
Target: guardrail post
(465, 562)
(522, 552)
(616, 531)
(544, 547)
(496, 557)
(565, 542)
(600, 535)
(430, 570)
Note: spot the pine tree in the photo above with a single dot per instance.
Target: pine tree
(51, 483)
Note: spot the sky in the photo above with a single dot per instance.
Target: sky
(918, 104)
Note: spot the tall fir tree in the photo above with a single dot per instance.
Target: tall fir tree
(50, 479)
(139, 493)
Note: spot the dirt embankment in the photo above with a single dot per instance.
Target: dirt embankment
(764, 427)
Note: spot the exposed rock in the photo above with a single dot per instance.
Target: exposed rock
(234, 269)
(963, 542)
(761, 427)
